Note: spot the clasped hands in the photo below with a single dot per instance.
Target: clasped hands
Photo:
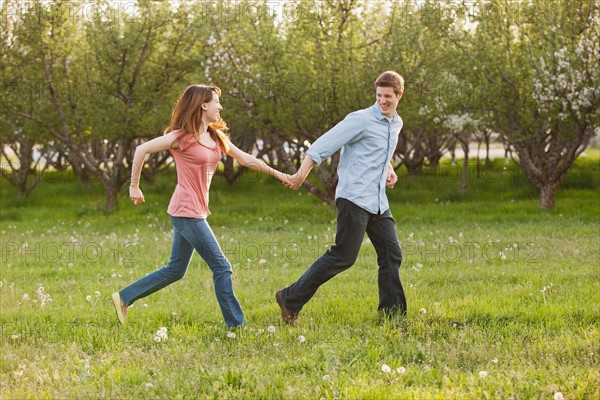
(293, 181)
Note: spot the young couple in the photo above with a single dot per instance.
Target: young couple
(196, 138)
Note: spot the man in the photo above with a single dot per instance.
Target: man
(368, 139)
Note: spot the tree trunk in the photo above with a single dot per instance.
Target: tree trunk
(111, 199)
(434, 161)
(548, 196)
(414, 169)
(488, 162)
(465, 168)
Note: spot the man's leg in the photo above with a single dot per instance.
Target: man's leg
(382, 232)
(351, 224)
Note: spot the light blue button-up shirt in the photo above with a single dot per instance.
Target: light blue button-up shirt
(368, 140)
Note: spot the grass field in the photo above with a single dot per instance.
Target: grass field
(503, 299)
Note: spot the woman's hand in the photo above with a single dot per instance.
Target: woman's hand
(136, 195)
(294, 181)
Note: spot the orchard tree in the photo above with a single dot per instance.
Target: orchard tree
(109, 77)
(540, 76)
(26, 110)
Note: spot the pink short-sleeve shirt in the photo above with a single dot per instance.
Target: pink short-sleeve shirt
(195, 164)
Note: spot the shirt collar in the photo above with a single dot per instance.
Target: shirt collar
(380, 116)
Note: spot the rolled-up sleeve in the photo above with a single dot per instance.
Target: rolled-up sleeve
(346, 131)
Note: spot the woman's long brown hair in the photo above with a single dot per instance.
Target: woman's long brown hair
(187, 114)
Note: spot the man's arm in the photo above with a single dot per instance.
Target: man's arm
(344, 132)
(296, 180)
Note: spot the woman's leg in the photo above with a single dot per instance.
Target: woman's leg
(181, 253)
(198, 233)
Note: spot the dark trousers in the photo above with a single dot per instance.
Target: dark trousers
(352, 223)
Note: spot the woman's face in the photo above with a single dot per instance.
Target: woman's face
(212, 108)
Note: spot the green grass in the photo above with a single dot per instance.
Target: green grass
(507, 290)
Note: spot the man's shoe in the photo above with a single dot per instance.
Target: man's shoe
(116, 299)
(288, 316)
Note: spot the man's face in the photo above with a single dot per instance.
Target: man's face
(387, 100)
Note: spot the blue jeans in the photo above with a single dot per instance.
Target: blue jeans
(352, 223)
(190, 234)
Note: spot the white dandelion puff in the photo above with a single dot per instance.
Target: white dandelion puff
(301, 339)
(231, 335)
(558, 396)
(401, 370)
(271, 329)
(483, 374)
(385, 368)
(88, 298)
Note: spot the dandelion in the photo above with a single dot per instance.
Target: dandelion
(97, 293)
(385, 368)
(0, 283)
(149, 385)
(301, 339)
(156, 339)
(423, 311)
(401, 370)
(483, 374)
(40, 290)
(231, 335)
(495, 360)
(558, 396)
(326, 378)
(276, 344)
(161, 334)
(26, 296)
(88, 298)
(271, 329)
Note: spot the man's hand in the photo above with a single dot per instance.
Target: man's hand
(392, 178)
(294, 181)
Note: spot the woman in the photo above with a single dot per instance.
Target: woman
(196, 139)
